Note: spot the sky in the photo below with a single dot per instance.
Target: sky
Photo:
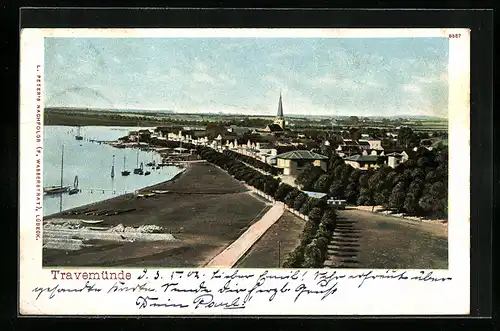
(316, 76)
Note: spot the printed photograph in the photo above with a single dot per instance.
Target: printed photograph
(246, 152)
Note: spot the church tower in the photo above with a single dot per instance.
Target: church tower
(280, 120)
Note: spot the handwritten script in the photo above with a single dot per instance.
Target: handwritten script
(222, 289)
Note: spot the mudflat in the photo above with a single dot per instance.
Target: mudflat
(205, 209)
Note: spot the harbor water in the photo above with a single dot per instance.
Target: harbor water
(92, 163)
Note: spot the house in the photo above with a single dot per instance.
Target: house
(273, 128)
(394, 159)
(294, 162)
(364, 145)
(238, 130)
(344, 149)
(374, 143)
(372, 152)
(364, 162)
(408, 154)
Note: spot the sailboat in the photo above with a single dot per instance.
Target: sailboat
(125, 172)
(137, 170)
(113, 168)
(78, 135)
(152, 163)
(58, 189)
(75, 188)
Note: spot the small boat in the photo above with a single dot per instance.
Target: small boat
(75, 188)
(78, 136)
(159, 191)
(55, 189)
(139, 170)
(158, 167)
(92, 221)
(147, 173)
(125, 172)
(113, 168)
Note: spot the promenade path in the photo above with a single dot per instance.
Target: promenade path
(234, 252)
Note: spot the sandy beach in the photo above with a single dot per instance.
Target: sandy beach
(203, 208)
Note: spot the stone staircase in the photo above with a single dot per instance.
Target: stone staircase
(343, 247)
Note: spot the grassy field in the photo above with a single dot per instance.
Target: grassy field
(373, 241)
(266, 253)
(74, 117)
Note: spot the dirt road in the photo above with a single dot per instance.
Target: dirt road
(373, 241)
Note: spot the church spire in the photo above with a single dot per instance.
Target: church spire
(280, 107)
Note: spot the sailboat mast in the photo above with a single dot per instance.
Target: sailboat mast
(137, 166)
(113, 168)
(62, 165)
(123, 162)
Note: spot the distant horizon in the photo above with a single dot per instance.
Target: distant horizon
(316, 76)
(214, 112)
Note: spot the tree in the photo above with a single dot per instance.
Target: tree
(315, 215)
(299, 200)
(407, 138)
(329, 219)
(308, 233)
(398, 196)
(308, 177)
(417, 173)
(355, 175)
(363, 180)
(351, 193)
(322, 240)
(355, 133)
(337, 189)
(290, 197)
(321, 185)
(411, 204)
(295, 258)
(312, 255)
(306, 206)
(282, 191)
(326, 150)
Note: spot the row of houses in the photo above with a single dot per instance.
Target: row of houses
(363, 154)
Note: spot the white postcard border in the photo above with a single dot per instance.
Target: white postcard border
(377, 297)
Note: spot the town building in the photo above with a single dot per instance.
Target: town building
(364, 162)
(374, 143)
(294, 162)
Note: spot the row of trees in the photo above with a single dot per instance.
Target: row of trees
(312, 250)
(315, 237)
(253, 162)
(416, 187)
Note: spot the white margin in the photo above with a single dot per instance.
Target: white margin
(381, 297)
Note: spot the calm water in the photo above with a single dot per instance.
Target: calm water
(92, 163)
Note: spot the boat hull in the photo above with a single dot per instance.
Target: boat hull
(55, 190)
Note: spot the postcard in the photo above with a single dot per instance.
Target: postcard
(183, 172)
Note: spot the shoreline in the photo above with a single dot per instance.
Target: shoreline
(203, 224)
(150, 187)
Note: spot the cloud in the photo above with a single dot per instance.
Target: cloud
(412, 88)
(202, 77)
